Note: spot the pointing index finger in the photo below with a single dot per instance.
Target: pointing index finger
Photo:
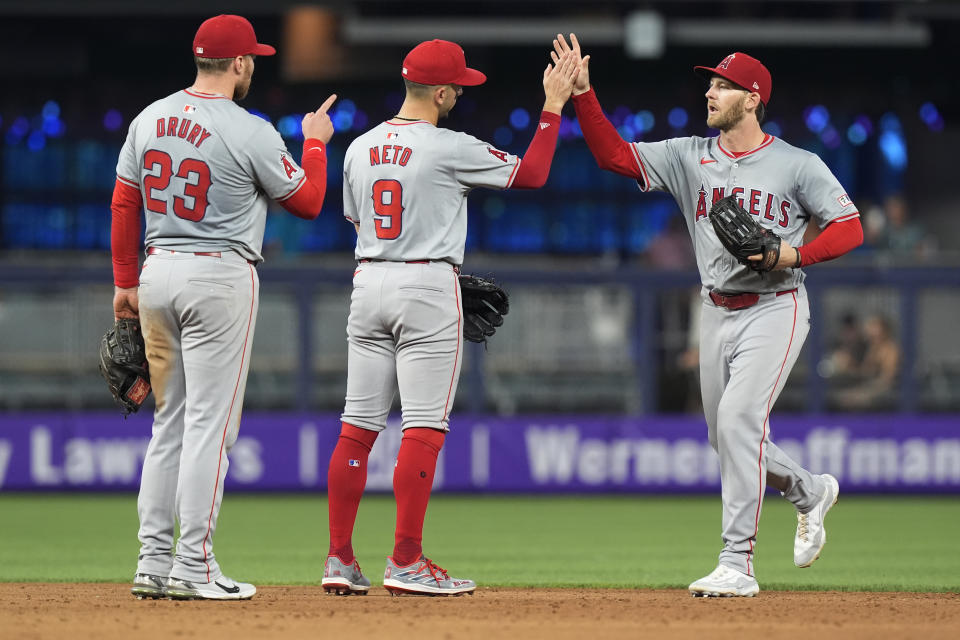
(326, 105)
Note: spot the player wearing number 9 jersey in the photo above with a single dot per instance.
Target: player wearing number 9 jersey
(405, 187)
(202, 168)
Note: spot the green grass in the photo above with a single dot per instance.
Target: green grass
(902, 543)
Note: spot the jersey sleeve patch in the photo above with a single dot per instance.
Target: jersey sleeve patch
(845, 201)
(498, 154)
(288, 167)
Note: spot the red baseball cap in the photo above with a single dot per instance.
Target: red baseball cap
(228, 36)
(744, 70)
(440, 62)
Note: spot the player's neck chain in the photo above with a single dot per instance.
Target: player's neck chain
(407, 119)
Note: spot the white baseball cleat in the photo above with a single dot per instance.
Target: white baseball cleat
(811, 533)
(726, 582)
(223, 588)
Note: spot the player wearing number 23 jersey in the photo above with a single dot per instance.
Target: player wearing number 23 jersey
(405, 186)
(203, 170)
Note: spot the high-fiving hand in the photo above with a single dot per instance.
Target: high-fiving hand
(318, 124)
(558, 81)
(561, 48)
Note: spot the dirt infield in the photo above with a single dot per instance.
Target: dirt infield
(107, 611)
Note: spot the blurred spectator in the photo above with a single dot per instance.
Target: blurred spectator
(895, 235)
(846, 355)
(873, 382)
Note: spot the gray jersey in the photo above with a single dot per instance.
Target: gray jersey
(205, 168)
(781, 185)
(406, 185)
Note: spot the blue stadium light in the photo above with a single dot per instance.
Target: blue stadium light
(261, 115)
(347, 105)
(289, 126)
(773, 128)
(342, 120)
(856, 134)
(17, 130)
(643, 121)
(112, 120)
(865, 122)
(816, 118)
(519, 118)
(931, 116)
(830, 137)
(20, 126)
(627, 132)
(53, 127)
(890, 122)
(36, 141)
(51, 110)
(566, 128)
(503, 136)
(678, 117)
(894, 149)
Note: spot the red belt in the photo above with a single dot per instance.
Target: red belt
(740, 300)
(209, 254)
(456, 267)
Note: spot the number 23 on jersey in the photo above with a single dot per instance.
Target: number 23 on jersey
(196, 176)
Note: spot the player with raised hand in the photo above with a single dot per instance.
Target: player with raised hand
(203, 169)
(405, 186)
(755, 313)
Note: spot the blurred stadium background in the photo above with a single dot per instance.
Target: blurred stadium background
(602, 332)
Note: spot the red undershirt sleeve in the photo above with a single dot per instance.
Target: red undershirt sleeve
(610, 150)
(835, 240)
(125, 234)
(535, 164)
(308, 200)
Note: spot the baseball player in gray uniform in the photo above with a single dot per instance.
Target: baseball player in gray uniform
(405, 186)
(202, 169)
(752, 326)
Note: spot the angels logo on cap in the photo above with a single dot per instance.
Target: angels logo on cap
(743, 70)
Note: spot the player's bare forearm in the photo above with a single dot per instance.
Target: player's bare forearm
(126, 303)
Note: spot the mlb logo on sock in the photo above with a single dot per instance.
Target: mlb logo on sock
(353, 463)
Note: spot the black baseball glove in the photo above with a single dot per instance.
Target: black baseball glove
(743, 236)
(484, 305)
(123, 364)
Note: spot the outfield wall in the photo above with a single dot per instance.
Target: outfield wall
(555, 453)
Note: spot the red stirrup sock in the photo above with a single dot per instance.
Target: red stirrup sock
(346, 478)
(412, 482)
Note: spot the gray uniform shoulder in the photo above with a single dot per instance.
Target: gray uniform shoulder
(376, 133)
